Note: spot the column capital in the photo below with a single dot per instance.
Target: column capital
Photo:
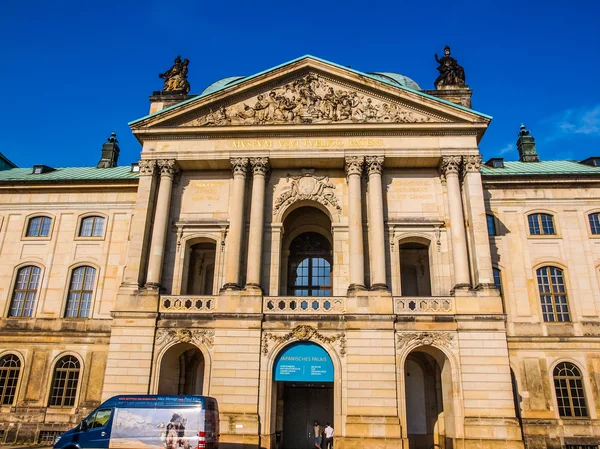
(374, 164)
(239, 165)
(260, 165)
(147, 167)
(168, 167)
(450, 165)
(354, 165)
(472, 163)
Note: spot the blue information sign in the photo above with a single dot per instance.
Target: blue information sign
(304, 362)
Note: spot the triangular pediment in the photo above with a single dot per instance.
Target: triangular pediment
(310, 92)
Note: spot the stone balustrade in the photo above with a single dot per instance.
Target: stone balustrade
(407, 305)
(187, 304)
(304, 304)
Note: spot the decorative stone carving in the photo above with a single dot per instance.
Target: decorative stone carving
(195, 336)
(260, 165)
(147, 167)
(307, 187)
(374, 164)
(438, 339)
(450, 165)
(176, 77)
(310, 99)
(304, 332)
(472, 163)
(239, 165)
(451, 73)
(354, 165)
(168, 167)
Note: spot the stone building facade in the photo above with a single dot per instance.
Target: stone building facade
(317, 207)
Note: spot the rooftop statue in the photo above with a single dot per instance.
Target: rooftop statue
(176, 77)
(451, 73)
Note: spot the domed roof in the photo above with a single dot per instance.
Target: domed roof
(218, 85)
(396, 78)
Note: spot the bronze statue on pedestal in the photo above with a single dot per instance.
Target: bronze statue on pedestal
(451, 73)
(176, 77)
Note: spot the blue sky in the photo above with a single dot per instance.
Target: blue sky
(74, 71)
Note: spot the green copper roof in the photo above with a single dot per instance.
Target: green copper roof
(69, 174)
(544, 168)
(384, 79)
(397, 78)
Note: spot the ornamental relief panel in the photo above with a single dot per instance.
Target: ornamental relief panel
(311, 99)
(304, 332)
(307, 187)
(439, 339)
(197, 337)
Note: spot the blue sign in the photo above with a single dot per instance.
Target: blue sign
(304, 362)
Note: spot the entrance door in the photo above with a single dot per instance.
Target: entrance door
(303, 404)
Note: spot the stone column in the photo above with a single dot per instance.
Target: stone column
(376, 228)
(473, 188)
(450, 167)
(354, 168)
(239, 165)
(139, 239)
(260, 168)
(168, 168)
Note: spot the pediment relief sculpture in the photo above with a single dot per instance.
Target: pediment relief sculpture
(310, 99)
(307, 187)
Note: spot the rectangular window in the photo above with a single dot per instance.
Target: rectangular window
(541, 224)
(491, 224)
(92, 227)
(38, 227)
(497, 279)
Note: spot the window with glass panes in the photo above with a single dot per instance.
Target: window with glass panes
(309, 266)
(39, 227)
(64, 382)
(10, 367)
(570, 395)
(541, 224)
(594, 223)
(491, 224)
(497, 279)
(553, 294)
(92, 227)
(25, 291)
(81, 290)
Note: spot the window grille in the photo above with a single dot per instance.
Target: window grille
(48, 437)
(10, 368)
(541, 224)
(64, 382)
(570, 395)
(553, 294)
(92, 227)
(25, 291)
(594, 223)
(39, 227)
(81, 290)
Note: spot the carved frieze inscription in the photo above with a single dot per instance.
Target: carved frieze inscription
(205, 195)
(406, 194)
(310, 99)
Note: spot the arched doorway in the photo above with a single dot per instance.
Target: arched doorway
(429, 404)
(303, 377)
(415, 275)
(308, 257)
(182, 371)
(201, 269)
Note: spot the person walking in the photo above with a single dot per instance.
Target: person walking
(328, 434)
(317, 431)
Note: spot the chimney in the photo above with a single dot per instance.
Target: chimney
(110, 152)
(526, 146)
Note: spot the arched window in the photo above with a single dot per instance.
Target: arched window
(497, 279)
(25, 291)
(553, 294)
(81, 290)
(541, 224)
(10, 367)
(310, 266)
(64, 382)
(92, 227)
(38, 227)
(594, 223)
(570, 395)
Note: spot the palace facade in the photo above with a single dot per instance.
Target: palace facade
(309, 243)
